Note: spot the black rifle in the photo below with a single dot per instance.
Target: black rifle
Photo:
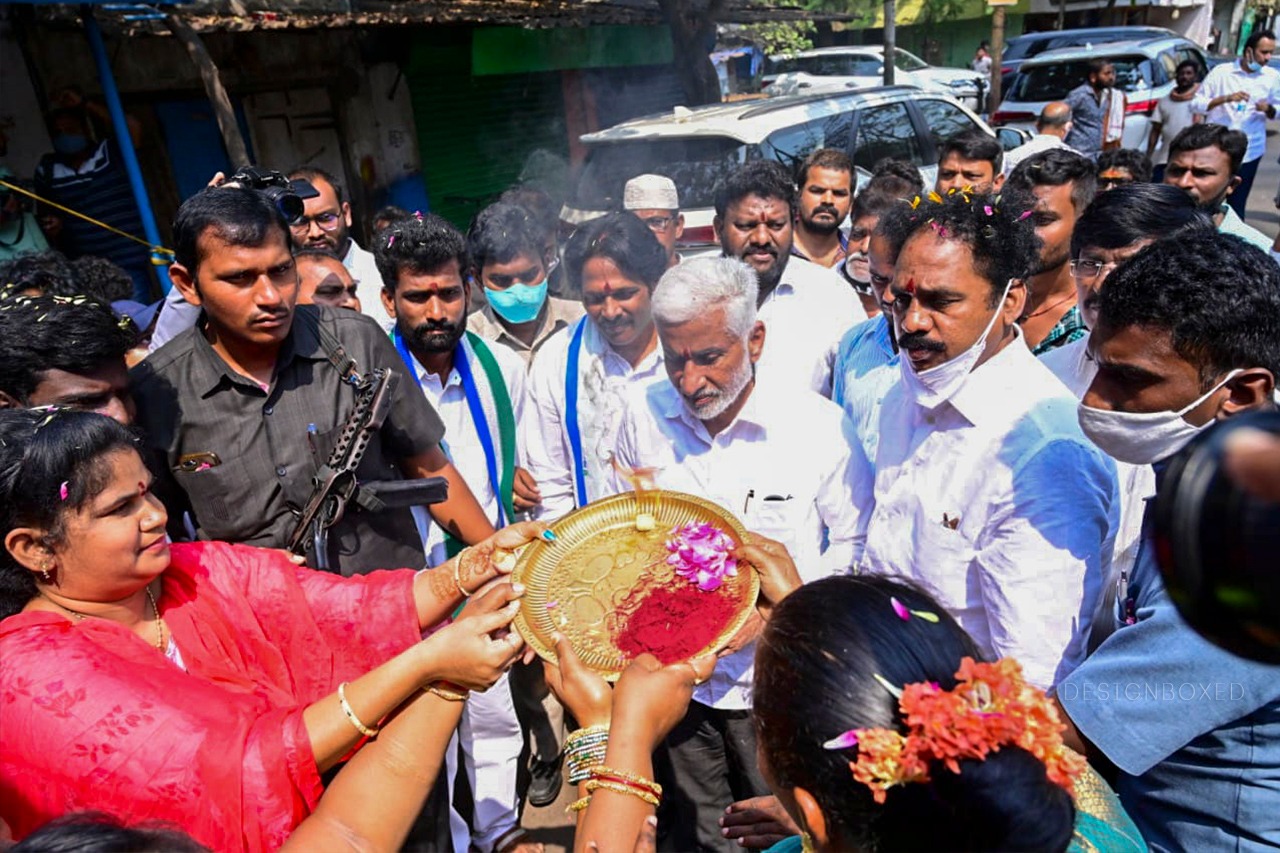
(334, 484)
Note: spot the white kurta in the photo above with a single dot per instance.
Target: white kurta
(605, 379)
(998, 504)
(785, 466)
(804, 318)
(489, 732)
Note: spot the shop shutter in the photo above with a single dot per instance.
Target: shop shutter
(477, 134)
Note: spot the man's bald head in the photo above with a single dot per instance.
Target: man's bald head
(1055, 119)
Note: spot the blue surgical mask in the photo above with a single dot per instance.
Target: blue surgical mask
(70, 143)
(1252, 66)
(519, 303)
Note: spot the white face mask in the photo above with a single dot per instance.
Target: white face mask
(935, 386)
(1141, 438)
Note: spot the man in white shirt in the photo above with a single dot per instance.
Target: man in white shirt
(326, 222)
(478, 390)
(655, 200)
(1052, 127)
(986, 491)
(1115, 227)
(1173, 115)
(773, 452)
(1242, 96)
(806, 307)
(580, 379)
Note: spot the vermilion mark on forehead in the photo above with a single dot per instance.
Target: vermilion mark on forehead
(911, 286)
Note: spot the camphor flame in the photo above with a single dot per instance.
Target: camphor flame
(644, 482)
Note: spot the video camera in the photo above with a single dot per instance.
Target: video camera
(1216, 545)
(287, 195)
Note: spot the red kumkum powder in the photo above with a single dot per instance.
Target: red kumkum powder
(674, 623)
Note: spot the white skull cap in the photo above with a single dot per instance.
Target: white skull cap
(650, 192)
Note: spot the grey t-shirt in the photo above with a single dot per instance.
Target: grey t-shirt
(190, 402)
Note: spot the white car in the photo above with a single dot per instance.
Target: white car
(1144, 72)
(863, 66)
(697, 148)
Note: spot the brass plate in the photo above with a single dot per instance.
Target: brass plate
(598, 558)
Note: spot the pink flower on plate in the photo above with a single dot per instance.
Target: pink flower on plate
(700, 555)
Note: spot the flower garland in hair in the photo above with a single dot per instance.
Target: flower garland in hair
(992, 706)
(966, 193)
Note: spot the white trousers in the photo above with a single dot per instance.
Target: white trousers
(491, 742)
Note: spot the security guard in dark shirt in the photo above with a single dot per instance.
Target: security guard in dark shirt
(245, 406)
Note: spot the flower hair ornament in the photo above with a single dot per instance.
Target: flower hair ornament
(992, 706)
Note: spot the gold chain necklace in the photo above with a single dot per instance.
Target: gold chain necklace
(155, 612)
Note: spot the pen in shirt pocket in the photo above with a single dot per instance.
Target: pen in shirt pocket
(311, 442)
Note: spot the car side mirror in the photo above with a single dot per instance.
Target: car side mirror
(1011, 137)
(880, 70)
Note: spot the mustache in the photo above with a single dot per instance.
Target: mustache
(436, 327)
(826, 208)
(918, 341)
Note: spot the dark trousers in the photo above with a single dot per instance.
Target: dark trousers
(707, 762)
(1238, 199)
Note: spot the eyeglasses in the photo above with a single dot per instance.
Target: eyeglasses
(1087, 270)
(327, 221)
(658, 223)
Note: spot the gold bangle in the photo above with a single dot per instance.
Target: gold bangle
(579, 805)
(446, 694)
(351, 715)
(627, 776)
(618, 788)
(457, 576)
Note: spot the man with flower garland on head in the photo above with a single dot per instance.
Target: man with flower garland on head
(985, 489)
(778, 455)
(478, 390)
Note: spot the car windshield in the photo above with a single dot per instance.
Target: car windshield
(904, 61)
(828, 65)
(695, 164)
(1054, 82)
(1025, 48)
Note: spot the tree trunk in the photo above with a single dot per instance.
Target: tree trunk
(890, 39)
(237, 153)
(997, 56)
(692, 30)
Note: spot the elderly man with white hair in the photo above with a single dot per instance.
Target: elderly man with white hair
(776, 454)
(656, 201)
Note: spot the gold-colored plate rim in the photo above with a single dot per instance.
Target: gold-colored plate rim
(531, 554)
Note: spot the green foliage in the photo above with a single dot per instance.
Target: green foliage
(775, 37)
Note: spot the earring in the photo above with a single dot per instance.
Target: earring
(806, 843)
(44, 574)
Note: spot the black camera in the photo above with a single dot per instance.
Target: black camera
(287, 195)
(1217, 546)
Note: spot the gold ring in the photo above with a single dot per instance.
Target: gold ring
(697, 679)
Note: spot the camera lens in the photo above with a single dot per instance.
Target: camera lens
(290, 206)
(1217, 544)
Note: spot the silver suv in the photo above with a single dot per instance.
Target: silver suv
(1144, 72)
(697, 148)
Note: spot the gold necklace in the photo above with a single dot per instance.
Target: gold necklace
(155, 612)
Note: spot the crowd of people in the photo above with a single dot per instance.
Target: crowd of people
(940, 410)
